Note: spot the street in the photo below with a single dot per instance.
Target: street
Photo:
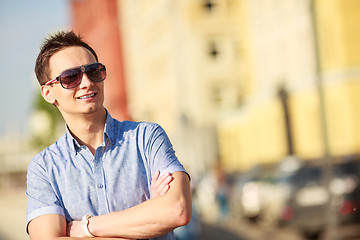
(212, 232)
(246, 232)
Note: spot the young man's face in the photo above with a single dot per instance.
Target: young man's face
(75, 100)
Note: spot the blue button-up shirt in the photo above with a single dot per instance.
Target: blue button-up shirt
(67, 179)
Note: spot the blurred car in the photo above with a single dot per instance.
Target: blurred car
(307, 208)
(255, 193)
(259, 194)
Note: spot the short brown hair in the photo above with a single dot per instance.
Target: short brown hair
(53, 44)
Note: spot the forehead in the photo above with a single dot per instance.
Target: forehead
(69, 57)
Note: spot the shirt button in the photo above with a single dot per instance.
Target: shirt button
(100, 186)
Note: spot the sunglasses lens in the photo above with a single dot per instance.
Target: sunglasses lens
(71, 78)
(96, 72)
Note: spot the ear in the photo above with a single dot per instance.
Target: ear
(47, 94)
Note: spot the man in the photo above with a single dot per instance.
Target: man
(95, 180)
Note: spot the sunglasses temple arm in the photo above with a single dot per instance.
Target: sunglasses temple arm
(51, 81)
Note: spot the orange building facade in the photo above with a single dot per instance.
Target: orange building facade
(98, 24)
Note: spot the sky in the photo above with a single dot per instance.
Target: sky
(23, 26)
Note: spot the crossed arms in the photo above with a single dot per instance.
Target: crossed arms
(155, 217)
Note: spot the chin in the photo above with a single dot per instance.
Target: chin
(94, 109)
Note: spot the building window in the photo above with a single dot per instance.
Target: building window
(213, 50)
(209, 5)
(217, 93)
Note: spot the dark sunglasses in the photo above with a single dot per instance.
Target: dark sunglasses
(72, 77)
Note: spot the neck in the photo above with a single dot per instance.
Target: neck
(88, 129)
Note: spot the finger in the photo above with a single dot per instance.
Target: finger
(164, 184)
(164, 190)
(158, 181)
(163, 177)
(155, 176)
(167, 180)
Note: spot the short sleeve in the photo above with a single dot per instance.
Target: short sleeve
(160, 152)
(42, 198)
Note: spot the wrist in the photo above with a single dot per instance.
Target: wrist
(85, 225)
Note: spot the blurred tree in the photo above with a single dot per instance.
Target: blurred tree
(45, 123)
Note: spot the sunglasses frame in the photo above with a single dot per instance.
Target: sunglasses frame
(82, 70)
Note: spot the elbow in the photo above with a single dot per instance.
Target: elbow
(183, 213)
(185, 219)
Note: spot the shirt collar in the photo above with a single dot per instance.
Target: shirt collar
(109, 133)
(74, 145)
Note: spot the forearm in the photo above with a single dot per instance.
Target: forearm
(53, 227)
(142, 221)
(149, 219)
(75, 238)
(97, 238)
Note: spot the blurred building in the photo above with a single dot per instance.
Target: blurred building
(338, 38)
(15, 152)
(183, 64)
(297, 48)
(235, 80)
(281, 45)
(98, 23)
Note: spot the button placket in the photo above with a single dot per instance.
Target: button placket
(100, 182)
(89, 157)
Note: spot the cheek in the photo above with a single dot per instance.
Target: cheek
(64, 97)
(101, 88)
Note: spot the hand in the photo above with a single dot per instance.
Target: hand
(74, 229)
(159, 186)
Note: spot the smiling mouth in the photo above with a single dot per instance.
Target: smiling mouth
(87, 96)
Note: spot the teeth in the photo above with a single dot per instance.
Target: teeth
(87, 96)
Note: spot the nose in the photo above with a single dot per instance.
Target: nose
(85, 81)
